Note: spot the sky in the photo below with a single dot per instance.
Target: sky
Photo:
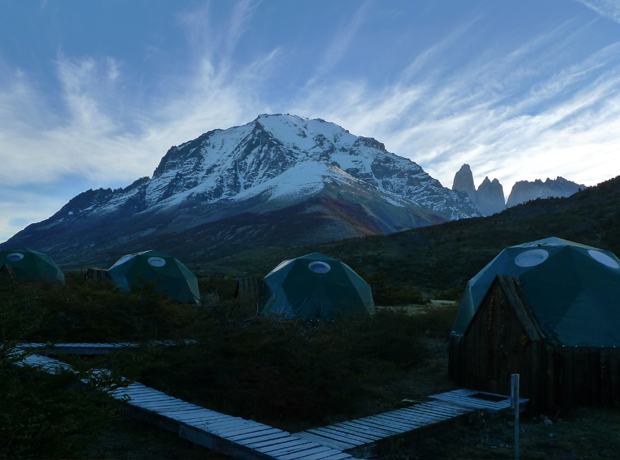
(93, 94)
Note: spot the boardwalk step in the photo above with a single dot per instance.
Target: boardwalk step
(251, 440)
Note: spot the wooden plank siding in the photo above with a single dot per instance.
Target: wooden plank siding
(496, 345)
(614, 376)
(249, 290)
(98, 274)
(504, 338)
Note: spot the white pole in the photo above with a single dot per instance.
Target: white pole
(514, 402)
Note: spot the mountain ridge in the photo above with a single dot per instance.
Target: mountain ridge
(446, 256)
(270, 164)
(489, 196)
(523, 191)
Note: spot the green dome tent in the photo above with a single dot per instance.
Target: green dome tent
(572, 289)
(316, 287)
(31, 266)
(174, 278)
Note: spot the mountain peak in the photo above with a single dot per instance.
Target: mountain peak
(272, 164)
(524, 190)
(464, 182)
(488, 198)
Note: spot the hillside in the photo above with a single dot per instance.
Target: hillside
(278, 180)
(444, 256)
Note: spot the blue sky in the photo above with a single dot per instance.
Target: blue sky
(92, 94)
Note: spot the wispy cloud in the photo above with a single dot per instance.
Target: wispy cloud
(522, 111)
(342, 40)
(606, 8)
(214, 40)
(99, 129)
(18, 208)
(511, 115)
(104, 130)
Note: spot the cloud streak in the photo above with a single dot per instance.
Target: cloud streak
(103, 130)
(524, 111)
(342, 40)
(606, 8)
(88, 133)
(490, 114)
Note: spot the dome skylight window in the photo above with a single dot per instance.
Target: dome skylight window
(531, 258)
(156, 261)
(15, 257)
(603, 259)
(319, 267)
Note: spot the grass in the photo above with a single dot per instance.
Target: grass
(289, 374)
(587, 433)
(129, 439)
(444, 257)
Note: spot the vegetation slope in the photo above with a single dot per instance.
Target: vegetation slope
(446, 256)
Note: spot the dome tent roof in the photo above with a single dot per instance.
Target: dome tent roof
(316, 287)
(573, 290)
(32, 266)
(174, 278)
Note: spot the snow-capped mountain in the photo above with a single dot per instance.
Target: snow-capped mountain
(280, 168)
(559, 187)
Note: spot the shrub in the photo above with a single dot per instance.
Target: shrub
(281, 371)
(455, 294)
(91, 311)
(385, 292)
(41, 416)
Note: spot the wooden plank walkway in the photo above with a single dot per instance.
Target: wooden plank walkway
(234, 436)
(362, 434)
(93, 348)
(249, 440)
(478, 400)
(358, 436)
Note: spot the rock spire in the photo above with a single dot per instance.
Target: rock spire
(488, 198)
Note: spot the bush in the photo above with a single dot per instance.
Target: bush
(92, 311)
(437, 322)
(286, 372)
(47, 416)
(384, 292)
(41, 416)
(279, 371)
(221, 287)
(455, 294)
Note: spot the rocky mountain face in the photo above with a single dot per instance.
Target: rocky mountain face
(488, 198)
(278, 180)
(524, 190)
(464, 182)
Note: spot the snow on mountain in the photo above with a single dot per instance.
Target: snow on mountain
(523, 191)
(284, 156)
(278, 180)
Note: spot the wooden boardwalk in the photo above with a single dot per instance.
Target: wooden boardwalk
(222, 433)
(479, 400)
(246, 439)
(93, 348)
(359, 436)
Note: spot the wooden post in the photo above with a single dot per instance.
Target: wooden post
(514, 403)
